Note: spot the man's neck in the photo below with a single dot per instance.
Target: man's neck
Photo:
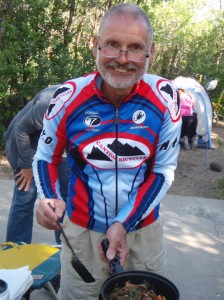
(116, 96)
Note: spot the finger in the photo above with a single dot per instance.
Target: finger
(49, 209)
(101, 253)
(22, 185)
(57, 206)
(59, 209)
(112, 250)
(47, 223)
(27, 185)
(123, 252)
(103, 257)
(44, 220)
(122, 257)
(19, 180)
(18, 175)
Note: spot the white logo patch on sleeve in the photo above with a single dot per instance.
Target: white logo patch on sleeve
(169, 94)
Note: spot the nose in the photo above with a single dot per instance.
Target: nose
(123, 56)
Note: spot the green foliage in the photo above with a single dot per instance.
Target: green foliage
(219, 192)
(46, 42)
(221, 184)
(220, 142)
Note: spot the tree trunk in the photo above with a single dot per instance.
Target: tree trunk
(5, 6)
(69, 25)
(172, 63)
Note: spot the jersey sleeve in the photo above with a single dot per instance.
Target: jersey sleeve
(51, 146)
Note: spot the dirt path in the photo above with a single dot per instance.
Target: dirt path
(193, 176)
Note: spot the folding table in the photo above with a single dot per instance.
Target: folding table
(43, 261)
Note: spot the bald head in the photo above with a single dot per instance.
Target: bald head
(131, 10)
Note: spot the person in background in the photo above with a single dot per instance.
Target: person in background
(120, 127)
(189, 137)
(21, 140)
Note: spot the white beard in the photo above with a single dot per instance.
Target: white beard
(121, 82)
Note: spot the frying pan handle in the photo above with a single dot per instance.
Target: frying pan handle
(105, 245)
(114, 264)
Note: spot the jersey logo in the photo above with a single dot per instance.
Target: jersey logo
(63, 93)
(170, 95)
(167, 89)
(92, 121)
(104, 153)
(139, 117)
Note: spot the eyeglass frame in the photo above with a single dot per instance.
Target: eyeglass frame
(147, 55)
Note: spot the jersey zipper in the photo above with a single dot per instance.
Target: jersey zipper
(116, 160)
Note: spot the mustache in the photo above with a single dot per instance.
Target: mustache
(125, 67)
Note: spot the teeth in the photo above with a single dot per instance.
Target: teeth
(120, 70)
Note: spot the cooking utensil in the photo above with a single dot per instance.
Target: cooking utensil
(160, 284)
(75, 261)
(114, 264)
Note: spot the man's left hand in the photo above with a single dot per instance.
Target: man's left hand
(116, 235)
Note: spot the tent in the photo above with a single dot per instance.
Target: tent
(202, 106)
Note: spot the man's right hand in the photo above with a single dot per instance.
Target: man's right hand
(46, 216)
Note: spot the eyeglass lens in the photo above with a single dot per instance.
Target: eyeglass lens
(134, 55)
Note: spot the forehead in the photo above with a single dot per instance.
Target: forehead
(125, 28)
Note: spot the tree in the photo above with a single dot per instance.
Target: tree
(46, 42)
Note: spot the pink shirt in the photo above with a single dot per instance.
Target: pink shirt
(186, 103)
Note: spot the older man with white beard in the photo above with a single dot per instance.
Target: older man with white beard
(120, 128)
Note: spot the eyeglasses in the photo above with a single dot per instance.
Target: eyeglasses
(133, 55)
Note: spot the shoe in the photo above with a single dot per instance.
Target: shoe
(186, 143)
(194, 142)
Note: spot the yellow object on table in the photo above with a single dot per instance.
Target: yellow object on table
(22, 255)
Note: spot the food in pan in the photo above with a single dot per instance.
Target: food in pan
(130, 291)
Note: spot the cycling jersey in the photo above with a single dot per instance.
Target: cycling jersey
(121, 160)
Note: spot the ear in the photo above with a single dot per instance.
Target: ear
(95, 45)
(152, 51)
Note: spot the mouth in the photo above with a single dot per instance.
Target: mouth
(121, 70)
(129, 68)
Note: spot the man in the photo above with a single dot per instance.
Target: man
(21, 143)
(121, 129)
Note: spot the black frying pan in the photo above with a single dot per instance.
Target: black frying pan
(161, 285)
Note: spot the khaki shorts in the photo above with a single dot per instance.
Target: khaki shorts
(146, 252)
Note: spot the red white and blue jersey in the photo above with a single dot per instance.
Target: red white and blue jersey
(121, 160)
